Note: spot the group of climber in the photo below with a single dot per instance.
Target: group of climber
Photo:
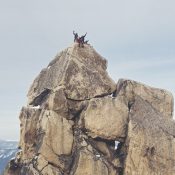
(80, 40)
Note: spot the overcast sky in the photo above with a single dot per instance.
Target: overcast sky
(136, 37)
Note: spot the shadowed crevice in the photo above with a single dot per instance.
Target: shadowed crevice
(41, 97)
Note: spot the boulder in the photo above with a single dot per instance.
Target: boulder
(106, 118)
(58, 133)
(29, 134)
(160, 99)
(150, 141)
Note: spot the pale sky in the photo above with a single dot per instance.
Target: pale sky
(136, 37)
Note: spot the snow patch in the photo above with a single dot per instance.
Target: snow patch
(111, 96)
(97, 155)
(35, 107)
(36, 157)
(116, 144)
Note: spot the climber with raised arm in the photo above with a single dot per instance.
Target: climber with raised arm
(83, 37)
(81, 40)
(75, 36)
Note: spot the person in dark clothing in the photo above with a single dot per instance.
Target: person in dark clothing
(81, 40)
(75, 36)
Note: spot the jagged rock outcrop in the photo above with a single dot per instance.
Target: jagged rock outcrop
(81, 72)
(160, 99)
(151, 141)
(79, 122)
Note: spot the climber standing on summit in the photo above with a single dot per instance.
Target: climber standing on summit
(81, 40)
(75, 36)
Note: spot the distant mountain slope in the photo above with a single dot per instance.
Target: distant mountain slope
(8, 150)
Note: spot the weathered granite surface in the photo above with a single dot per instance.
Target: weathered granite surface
(79, 122)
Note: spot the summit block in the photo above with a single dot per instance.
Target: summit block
(80, 71)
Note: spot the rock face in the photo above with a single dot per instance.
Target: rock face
(79, 122)
(151, 141)
(80, 72)
(110, 116)
(160, 99)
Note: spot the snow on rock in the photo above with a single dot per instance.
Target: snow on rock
(116, 144)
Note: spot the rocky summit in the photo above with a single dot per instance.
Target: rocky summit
(78, 121)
